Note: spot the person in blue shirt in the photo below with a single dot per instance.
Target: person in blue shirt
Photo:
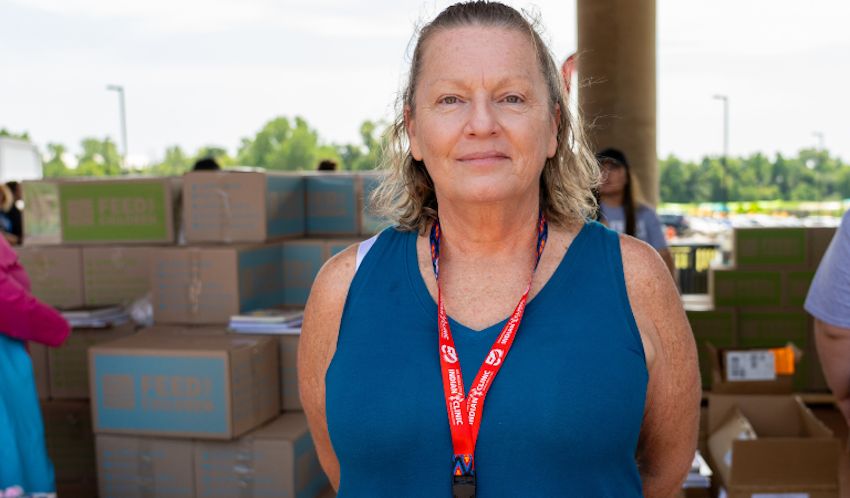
(494, 342)
(829, 302)
(619, 209)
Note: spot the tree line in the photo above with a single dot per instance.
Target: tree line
(813, 175)
(281, 144)
(291, 145)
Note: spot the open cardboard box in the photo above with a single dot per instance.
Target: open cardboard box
(794, 452)
(782, 384)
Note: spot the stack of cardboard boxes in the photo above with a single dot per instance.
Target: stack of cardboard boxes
(184, 408)
(88, 244)
(759, 302)
(758, 437)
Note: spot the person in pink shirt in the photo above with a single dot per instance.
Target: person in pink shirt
(24, 463)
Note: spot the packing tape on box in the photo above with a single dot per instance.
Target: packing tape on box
(196, 285)
(145, 470)
(227, 214)
(243, 468)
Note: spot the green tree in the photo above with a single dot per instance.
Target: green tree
(55, 166)
(281, 145)
(21, 136)
(98, 158)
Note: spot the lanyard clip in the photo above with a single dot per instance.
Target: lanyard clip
(463, 486)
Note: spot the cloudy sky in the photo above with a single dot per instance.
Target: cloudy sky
(199, 72)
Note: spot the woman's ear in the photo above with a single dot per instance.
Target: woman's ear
(410, 126)
(552, 146)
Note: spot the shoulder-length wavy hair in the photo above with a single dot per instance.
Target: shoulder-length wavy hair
(406, 194)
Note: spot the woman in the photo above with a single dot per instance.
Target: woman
(24, 464)
(592, 390)
(621, 212)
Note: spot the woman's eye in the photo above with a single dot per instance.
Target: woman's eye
(513, 99)
(449, 99)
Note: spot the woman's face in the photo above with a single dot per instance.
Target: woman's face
(614, 177)
(483, 122)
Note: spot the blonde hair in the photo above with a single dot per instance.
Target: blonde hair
(406, 193)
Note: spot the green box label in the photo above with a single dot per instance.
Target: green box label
(106, 211)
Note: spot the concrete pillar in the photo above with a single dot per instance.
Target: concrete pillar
(616, 82)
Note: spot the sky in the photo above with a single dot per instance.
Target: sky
(203, 72)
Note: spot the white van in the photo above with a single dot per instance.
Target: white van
(19, 160)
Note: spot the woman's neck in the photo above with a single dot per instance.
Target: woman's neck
(488, 231)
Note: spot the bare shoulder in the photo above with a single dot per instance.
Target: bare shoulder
(323, 312)
(645, 271)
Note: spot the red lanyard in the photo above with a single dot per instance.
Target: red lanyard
(465, 411)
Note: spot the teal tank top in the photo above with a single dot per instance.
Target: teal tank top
(562, 418)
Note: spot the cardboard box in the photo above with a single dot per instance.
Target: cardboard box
(818, 239)
(302, 260)
(38, 356)
(116, 274)
(782, 384)
(735, 428)
(242, 206)
(137, 467)
(277, 460)
(56, 274)
(717, 327)
(794, 451)
(290, 398)
(770, 248)
(207, 285)
(337, 204)
(797, 285)
(334, 204)
(768, 288)
(772, 328)
(68, 365)
(100, 211)
(786, 248)
(184, 386)
(370, 224)
(70, 444)
(745, 288)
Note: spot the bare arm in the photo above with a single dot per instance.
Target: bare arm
(833, 345)
(671, 417)
(667, 256)
(319, 333)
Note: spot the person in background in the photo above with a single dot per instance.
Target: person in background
(206, 164)
(14, 214)
(621, 212)
(7, 200)
(829, 303)
(326, 165)
(590, 390)
(23, 455)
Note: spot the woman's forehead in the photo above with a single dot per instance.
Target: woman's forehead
(460, 53)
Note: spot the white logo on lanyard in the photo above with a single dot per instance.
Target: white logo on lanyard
(495, 357)
(449, 354)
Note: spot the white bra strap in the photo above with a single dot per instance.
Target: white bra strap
(362, 250)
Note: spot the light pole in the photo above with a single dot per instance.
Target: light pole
(120, 90)
(725, 100)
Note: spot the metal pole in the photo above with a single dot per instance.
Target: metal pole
(120, 90)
